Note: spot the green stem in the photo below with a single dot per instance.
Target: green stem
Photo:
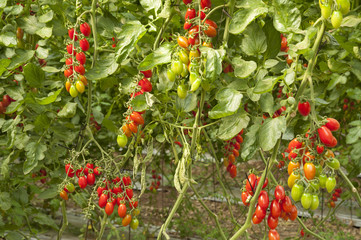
(213, 10)
(351, 186)
(228, 21)
(65, 220)
(103, 224)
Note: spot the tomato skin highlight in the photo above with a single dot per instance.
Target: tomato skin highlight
(273, 235)
(279, 192)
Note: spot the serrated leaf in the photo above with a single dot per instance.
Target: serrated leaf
(68, 110)
(267, 103)
(213, 66)
(5, 201)
(270, 132)
(34, 75)
(232, 125)
(229, 101)
(254, 42)
(243, 68)
(251, 9)
(160, 56)
(34, 153)
(265, 85)
(287, 16)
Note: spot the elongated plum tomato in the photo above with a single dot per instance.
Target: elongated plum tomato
(320, 149)
(256, 220)
(273, 235)
(279, 192)
(306, 200)
(80, 86)
(85, 29)
(206, 4)
(137, 118)
(333, 163)
(294, 144)
(287, 204)
(63, 195)
(182, 91)
(292, 166)
(330, 184)
(245, 196)
(171, 75)
(304, 108)
(315, 202)
(332, 124)
(263, 200)
(109, 208)
(147, 73)
(251, 182)
(210, 31)
(182, 42)
(122, 140)
(233, 171)
(325, 8)
(82, 182)
(292, 179)
(134, 223)
(345, 6)
(325, 135)
(126, 220)
(297, 192)
(73, 92)
(336, 19)
(275, 209)
(190, 14)
(272, 222)
(309, 170)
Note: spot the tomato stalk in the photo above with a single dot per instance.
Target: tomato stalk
(103, 224)
(351, 186)
(228, 21)
(65, 220)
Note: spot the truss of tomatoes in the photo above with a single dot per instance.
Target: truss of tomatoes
(307, 176)
(76, 81)
(135, 118)
(117, 191)
(281, 206)
(232, 152)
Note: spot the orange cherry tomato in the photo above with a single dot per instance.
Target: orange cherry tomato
(292, 166)
(127, 131)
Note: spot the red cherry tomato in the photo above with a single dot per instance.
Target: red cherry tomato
(325, 135)
(273, 235)
(287, 204)
(147, 73)
(272, 222)
(103, 200)
(332, 124)
(82, 182)
(275, 208)
(245, 196)
(263, 200)
(304, 108)
(279, 193)
(109, 208)
(251, 182)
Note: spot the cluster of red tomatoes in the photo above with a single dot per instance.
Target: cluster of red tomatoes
(347, 104)
(114, 40)
(232, 151)
(5, 103)
(285, 48)
(186, 61)
(41, 173)
(74, 87)
(155, 181)
(334, 198)
(306, 180)
(112, 192)
(281, 205)
(135, 118)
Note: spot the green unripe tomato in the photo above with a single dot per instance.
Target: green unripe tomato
(70, 187)
(134, 223)
(122, 140)
(323, 179)
(195, 85)
(333, 163)
(170, 75)
(177, 67)
(315, 202)
(185, 70)
(336, 19)
(182, 91)
(183, 56)
(344, 6)
(306, 200)
(330, 184)
(297, 192)
(73, 92)
(192, 77)
(325, 9)
(318, 170)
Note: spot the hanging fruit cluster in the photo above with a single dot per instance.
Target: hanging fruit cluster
(135, 118)
(285, 48)
(335, 196)
(281, 205)
(232, 152)
(342, 7)
(5, 103)
(155, 181)
(76, 81)
(111, 192)
(185, 60)
(307, 176)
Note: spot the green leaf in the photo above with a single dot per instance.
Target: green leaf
(13, 107)
(250, 145)
(49, 99)
(287, 16)
(149, 5)
(12, 235)
(269, 63)
(354, 133)
(251, 9)
(188, 104)
(273, 40)
(229, 101)
(129, 35)
(30, 24)
(265, 85)
(167, 10)
(3, 4)
(139, 103)
(337, 66)
(270, 132)
(49, 193)
(15, 92)
(160, 56)
(34, 153)
(20, 58)
(254, 41)
(43, 53)
(356, 68)
(68, 110)
(5, 201)
(243, 68)
(46, 17)
(44, 219)
(103, 68)
(267, 102)
(232, 125)
(34, 75)
(50, 69)
(354, 93)
(8, 39)
(109, 125)
(213, 66)
(351, 21)
(4, 63)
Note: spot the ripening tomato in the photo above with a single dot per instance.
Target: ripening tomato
(73, 92)
(233, 171)
(193, 54)
(325, 135)
(102, 200)
(292, 166)
(231, 158)
(330, 184)
(82, 182)
(182, 42)
(329, 154)
(122, 210)
(304, 108)
(19, 33)
(272, 222)
(147, 73)
(292, 179)
(68, 72)
(126, 220)
(134, 223)
(322, 178)
(206, 4)
(263, 200)
(275, 209)
(187, 1)
(283, 44)
(83, 79)
(187, 25)
(310, 170)
(137, 118)
(183, 56)
(109, 208)
(256, 220)
(287, 204)
(70, 187)
(273, 235)
(279, 192)
(69, 170)
(80, 86)
(251, 182)
(306, 200)
(84, 44)
(122, 140)
(236, 145)
(210, 31)
(336, 19)
(325, 9)
(244, 197)
(235, 152)
(294, 144)
(264, 184)
(80, 69)
(239, 139)
(190, 14)
(332, 124)
(69, 61)
(333, 163)
(64, 195)
(126, 130)
(177, 67)
(85, 29)
(297, 192)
